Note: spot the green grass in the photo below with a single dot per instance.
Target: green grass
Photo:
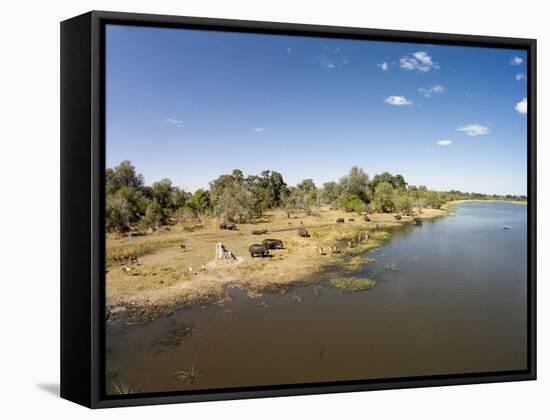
(353, 284)
(380, 235)
(355, 263)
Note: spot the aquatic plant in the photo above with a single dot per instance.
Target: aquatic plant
(296, 298)
(355, 263)
(391, 266)
(188, 376)
(380, 235)
(123, 388)
(353, 284)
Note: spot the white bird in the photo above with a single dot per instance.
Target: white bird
(190, 269)
(203, 267)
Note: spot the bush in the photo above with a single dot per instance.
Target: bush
(402, 203)
(351, 203)
(153, 216)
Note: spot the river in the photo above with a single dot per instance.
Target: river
(451, 298)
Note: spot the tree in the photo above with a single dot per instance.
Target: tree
(330, 192)
(199, 203)
(236, 204)
(185, 217)
(351, 202)
(123, 175)
(402, 202)
(434, 199)
(154, 215)
(307, 185)
(179, 198)
(380, 178)
(162, 192)
(383, 197)
(356, 183)
(291, 201)
(117, 213)
(399, 183)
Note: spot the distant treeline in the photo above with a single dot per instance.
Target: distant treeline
(238, 198)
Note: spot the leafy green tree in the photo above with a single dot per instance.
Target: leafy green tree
(123, 175)
(383, 197)
(330, 192)
(118, 213)
(351, 202)
(179, 198)
(235, 203)
(399, 183)
(199, 203)
(154, 215)
(402, 202)
(434, 200)
(356, 183)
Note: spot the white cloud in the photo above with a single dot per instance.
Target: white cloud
(326, 62)
(521, 76)
(444, 142)
(177, 123)
(521, 106)
(258, 129)
(434, 90)
(397, 100)
(516, 61)
(383, 66)
(474, 129)
(419, 60)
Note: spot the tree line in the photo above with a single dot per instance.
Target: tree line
(238, 198)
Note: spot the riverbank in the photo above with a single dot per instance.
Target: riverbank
(455, 202)
(168, 276)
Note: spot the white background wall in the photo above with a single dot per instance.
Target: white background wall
(29, 209)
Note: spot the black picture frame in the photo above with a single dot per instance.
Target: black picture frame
(82, 207)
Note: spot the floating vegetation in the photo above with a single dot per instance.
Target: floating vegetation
(362, 248)
(123, 388)
(353, 284)
(175, 338)
(380, 235)
(188, 376)
(296, 298)
(390, 266)
(355, 263)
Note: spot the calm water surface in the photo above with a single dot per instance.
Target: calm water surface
(451, 298)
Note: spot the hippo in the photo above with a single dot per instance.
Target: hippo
(223, 225)
(367, 218)
(351, 219)
(259, 231)
(303, 232)
(258, 250)
(231, 226)
(273, 243)
(397, 217)
(418, 221)
(340, 220)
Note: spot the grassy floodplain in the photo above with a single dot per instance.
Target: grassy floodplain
(167, 276)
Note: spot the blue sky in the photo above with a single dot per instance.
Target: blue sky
(192, 105)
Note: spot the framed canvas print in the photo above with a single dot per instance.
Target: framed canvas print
(255, 209)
